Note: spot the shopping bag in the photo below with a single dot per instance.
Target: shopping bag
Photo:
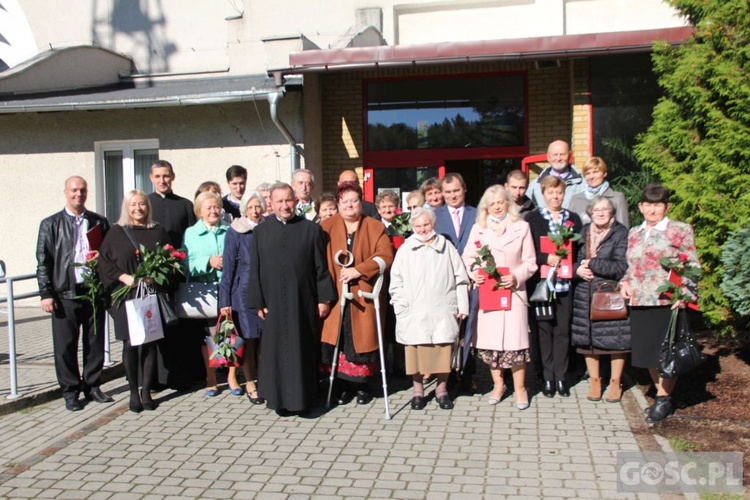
(144, 319)
(225, 347)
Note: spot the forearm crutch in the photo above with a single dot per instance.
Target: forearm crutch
(344, 259)
(375, 297)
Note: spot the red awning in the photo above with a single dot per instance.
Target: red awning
(548, 47)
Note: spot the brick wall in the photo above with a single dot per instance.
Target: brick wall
(582, 113)
(551, 112)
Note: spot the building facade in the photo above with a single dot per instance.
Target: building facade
(399, 91)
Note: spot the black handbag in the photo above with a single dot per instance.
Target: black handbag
(679, 352)
(540, 301)
(167, 310)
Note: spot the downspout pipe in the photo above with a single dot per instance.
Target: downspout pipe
(294, 149)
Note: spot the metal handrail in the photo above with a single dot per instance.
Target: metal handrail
(10, 298)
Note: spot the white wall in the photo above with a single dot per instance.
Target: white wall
(40, 151)
(179, 36)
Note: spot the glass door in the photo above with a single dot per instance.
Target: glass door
(402, 180)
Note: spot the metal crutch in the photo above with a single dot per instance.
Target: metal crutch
(345, 295)
(375, 297)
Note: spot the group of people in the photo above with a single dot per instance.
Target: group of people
(292, 273)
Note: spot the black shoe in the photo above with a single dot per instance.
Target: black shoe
(95, 394)
(283, 412)
(148, 403)
(548, 389)
(562, 389)
(135, 404)
(363, 397)
(72, 404)
(345, 397)
(661, 410)
(445, 402)
(257, 400)
(418, 403)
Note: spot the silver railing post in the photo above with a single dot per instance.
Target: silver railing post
(12, 342)
(107, 359)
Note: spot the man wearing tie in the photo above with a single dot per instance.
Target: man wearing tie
(454, 221)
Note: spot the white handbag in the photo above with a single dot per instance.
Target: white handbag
(144, 318)
(195, 300)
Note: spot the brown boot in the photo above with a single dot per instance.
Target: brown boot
(595, 392)
(614, 391)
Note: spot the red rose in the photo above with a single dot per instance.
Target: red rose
(168, 247)
(90, 255)
(175, 254)
(182, 255)
(683, 257)
(399, 211)
(137, 253)
(569, 224)
(478, 244)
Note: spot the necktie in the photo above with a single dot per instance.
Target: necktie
(457, 222)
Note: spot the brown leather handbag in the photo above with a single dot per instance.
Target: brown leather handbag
(607, 304)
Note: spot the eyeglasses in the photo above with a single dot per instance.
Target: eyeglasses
(602, 210)
(412, 207)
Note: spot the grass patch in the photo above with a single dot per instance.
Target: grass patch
(679, 444)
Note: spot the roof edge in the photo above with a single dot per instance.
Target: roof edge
(563, 46)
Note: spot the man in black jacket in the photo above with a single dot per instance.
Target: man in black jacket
(63, 242)
(176, 214)
(173, 212)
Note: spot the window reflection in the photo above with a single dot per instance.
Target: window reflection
(446, 113)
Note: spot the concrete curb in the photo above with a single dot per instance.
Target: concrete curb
(661, 441)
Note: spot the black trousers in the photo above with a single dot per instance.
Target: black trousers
(73, 319)
(554, 339)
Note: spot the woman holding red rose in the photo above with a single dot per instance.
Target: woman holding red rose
(502, 336)
(554, 334)
(118, 262)
(650, 311)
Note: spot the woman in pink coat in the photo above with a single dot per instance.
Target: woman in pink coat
(502, 337)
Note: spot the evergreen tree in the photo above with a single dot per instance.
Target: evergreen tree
(699, 141)
(736, 281)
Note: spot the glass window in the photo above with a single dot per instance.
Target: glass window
(125, 166)
(402, 180)
(472, 112)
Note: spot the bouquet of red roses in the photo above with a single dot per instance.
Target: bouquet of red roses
(563, 238)
(486, 262)
(159, 265)
(682, 282)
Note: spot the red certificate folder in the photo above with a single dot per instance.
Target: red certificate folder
(95, 237)
(565, 269)
(677, 281)
(494, 300)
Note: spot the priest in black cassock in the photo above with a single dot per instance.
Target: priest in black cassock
(291, 288)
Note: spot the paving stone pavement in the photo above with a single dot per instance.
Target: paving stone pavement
(198, 447)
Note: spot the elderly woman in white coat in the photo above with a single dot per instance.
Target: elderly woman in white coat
(502, 337)
(429, 293)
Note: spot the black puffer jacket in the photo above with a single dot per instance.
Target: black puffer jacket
(609, 265)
